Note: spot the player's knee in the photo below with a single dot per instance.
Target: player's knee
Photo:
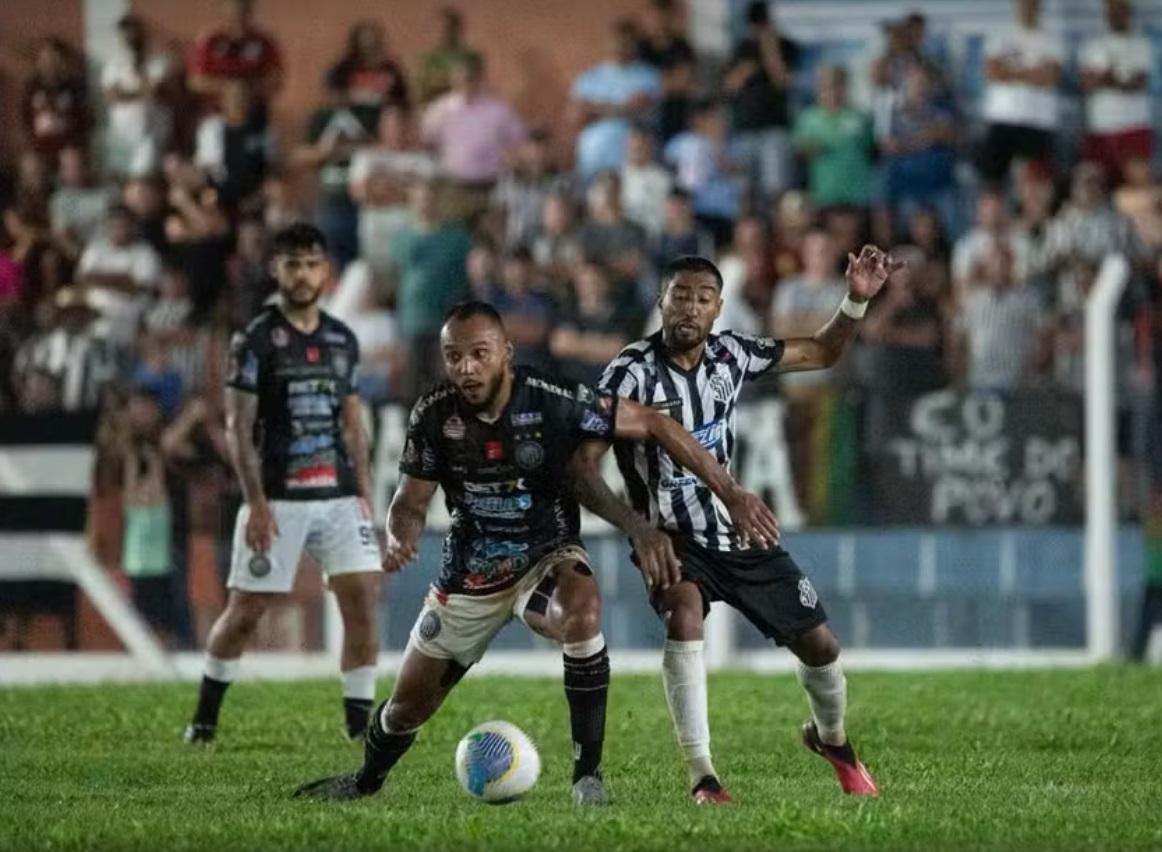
(684, 623)
(817, 647)
(582, 620)
(244, 613)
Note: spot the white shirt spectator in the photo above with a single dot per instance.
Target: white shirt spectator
(643, 195)
(138, 129)
(798, 296)
(80, 210)
(120, 312)
(979, 244)
(1003, 329)
(1016, 102)
(1126, 55)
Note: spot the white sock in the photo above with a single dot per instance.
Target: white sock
(684, 677)
(827, 694)
(218, 669)
(584, 649)
(359, 683)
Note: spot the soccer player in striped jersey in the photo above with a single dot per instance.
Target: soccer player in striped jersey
(696, 377)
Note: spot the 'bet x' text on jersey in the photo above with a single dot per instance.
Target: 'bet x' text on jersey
(705, 401)
(504, 481)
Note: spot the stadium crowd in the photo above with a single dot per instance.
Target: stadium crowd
(134, 245)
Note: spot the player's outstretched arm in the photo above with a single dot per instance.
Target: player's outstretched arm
(653, 548)
(241, 415)
(405, 521)
(866, 276)
(636, 422)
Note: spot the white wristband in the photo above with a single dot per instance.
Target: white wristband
(853, 309)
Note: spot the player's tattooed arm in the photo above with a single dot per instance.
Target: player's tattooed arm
(241, 415)
(358, 446)
(405, 521)
(866, 276)
(652, 548)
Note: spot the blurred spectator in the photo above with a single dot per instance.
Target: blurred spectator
(34, 182)
(138, 84)
(588, 331)
(556, 244)
(145, 197)
(614, 241)
(919, 152)
(435, 77)
(471, 133)
(368, 308)
(78, 207)
(235, 147)
(335, 133)
(525, 307)
(704, 166)
(39, 392)
(793, 218)
(66, 349)
(483, 270)
(663, 47)
(681, 234)
(27, 234)
(837, 141)
(1139, 199)
(1023, 67)
(994, 232)
(428, 258)
(607, 98)
(55, 105)
(367, 78)
(522, 189)
(759, 80)
(747, 279)
(170, 323)
(237, 52)
(1003, 332)
(120, 273)
(1115, 76)
(198, 231)
(154, 371)
(1036, 194)
(645, 183)
(926, 234)
(248, 280)
(379, 179)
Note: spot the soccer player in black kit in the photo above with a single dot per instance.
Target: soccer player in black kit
(695, 377)
(500, 441)
(301, 454)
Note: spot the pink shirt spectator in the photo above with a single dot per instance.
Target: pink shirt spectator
(471, 136)
(11, 279)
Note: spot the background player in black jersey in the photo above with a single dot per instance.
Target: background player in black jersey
(500, 440)
(301, 454)
(696, 377)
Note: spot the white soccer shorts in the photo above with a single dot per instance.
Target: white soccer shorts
(338, 533)
(461, 627)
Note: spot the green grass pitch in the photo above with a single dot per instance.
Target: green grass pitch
(1014, 761)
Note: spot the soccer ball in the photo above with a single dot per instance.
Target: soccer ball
(496, 762)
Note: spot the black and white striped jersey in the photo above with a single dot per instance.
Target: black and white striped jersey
(704, 400)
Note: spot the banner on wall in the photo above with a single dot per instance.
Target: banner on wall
(980, 459)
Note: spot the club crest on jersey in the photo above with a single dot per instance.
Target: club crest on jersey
(279, 337)
(530, 455)
(454, 429)
(720, 387)
(807, 595)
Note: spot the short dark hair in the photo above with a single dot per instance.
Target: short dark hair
(297, 237)
(690, 263)
(758, 13)
(472, 309)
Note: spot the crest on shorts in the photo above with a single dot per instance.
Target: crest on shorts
(530, 455)
(720, 387)
(260, 565)
(430, 626)
(454, 429)
(279, 337)
(807, 595)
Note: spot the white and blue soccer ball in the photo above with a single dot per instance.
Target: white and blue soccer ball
(496, 762)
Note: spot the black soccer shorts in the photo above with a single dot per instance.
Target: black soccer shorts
(766, 586)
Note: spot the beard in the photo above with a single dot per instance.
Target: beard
(490, 392)
(684, 338)
(301, 297)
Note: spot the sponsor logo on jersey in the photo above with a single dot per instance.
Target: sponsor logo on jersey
(530, 455)
(595, 422)
(527, 418)
(454, 429)
(710, 435)
(503, 508)
(324, 476)
(669, 482)
(310, 405)
(534, 382)
(510, 486)
(323, 385)
(332, 337)
(667, 405)
(279, 337)
(312, 443)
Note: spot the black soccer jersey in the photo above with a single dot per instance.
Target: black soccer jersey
(504, 481)
(704, 400)
(301, 380)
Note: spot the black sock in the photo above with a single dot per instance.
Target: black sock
(381, 750)
(358, 711)
(587, 688)
(210, 701)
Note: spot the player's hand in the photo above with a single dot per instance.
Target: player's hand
(656, 559)
(397, 554)
(755, 522)
(261, 527)
(867, 274)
